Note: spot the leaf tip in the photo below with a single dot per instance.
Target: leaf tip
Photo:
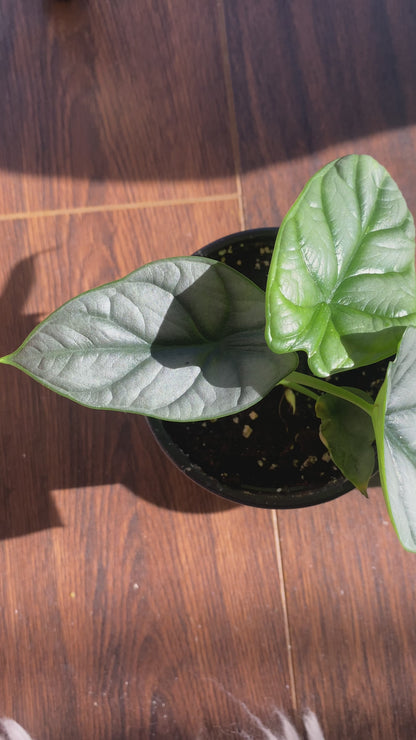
(7, 359)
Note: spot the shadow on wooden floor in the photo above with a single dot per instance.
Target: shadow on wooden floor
(139, 93)
(49, 443)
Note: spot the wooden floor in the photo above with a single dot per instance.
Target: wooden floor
(132, 603)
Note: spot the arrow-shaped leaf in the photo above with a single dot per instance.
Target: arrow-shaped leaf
(178, 339)
(342, 275)
(394, 418)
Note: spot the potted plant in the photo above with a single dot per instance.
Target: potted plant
(269, 455)
(191, 339)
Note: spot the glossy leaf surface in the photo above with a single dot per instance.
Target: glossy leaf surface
(178, 339)
(395, 426)
(348, 433)
(342, 279)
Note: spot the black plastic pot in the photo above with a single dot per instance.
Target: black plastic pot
(275, 495)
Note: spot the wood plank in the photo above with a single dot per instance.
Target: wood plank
(133, 604)
(110, 104)
(351, 599)
(314, 81)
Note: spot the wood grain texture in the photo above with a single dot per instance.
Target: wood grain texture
(314, 81)
(132, 603)
(111, 102)
(354, 639)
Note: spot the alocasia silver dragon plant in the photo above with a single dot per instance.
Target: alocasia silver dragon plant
(189, 338)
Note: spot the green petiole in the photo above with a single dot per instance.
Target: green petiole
(299, 389)
(309, 381)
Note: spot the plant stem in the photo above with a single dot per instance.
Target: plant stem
(334, 390)
(299, 389)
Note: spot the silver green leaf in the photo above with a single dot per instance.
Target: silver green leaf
(342, 279)
(394, 419)
(178, 339)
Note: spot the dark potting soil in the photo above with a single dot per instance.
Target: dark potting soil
(275, 444)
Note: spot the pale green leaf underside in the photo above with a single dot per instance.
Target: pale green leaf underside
(178, 339)
(395, 425)
(343, 269)
(348, 433)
